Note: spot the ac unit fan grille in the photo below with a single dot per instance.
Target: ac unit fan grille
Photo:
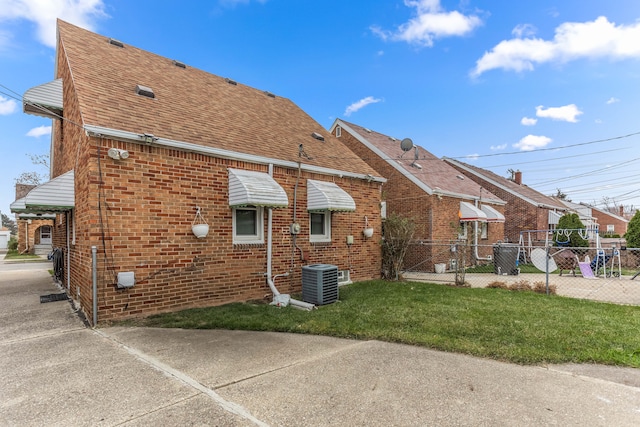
(320, 284)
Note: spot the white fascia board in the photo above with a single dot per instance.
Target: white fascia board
(382, 155)
(120, 135)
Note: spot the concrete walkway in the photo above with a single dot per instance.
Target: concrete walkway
(58, 372)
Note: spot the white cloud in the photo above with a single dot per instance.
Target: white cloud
(612, 100)
(7, 106)
(44, 13)
(524, 30)
(528, 121)
(567, 113)
(532, 142)
(360, 104)
(572, 40)
(39, 131)
(431, 22)
(498, 147)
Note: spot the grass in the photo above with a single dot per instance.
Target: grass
(518, 327)
(13, 254)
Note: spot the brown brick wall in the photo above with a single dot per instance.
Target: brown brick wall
(620, 226)
(29, 233)
(143, 208)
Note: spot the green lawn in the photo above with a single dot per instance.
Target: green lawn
(15, 255)
(519, 327)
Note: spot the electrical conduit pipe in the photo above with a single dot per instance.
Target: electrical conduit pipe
(278, 298)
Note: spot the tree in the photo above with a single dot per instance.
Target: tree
(632, 236)
(35, 178)
(397, 234)
(561, 196)
(10, 224)
(568, 232)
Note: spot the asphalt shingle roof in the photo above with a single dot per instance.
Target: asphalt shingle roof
(435, 173)
(192, 105)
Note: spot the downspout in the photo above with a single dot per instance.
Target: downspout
(94, 279)
(475, 237)
(278, 298)
(68, 252)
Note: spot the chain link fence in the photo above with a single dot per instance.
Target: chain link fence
(610, 273)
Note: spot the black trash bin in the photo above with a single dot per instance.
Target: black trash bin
(505, 259)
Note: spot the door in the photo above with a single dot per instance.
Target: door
(45, 235)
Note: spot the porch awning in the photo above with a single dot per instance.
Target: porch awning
(57, 195)
(492, 214)
(328, 196)
(554, 217)
(468, 212)
(251, 188)
(44, 100)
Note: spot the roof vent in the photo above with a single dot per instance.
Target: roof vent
(367, 130)
(460, 177)
(116, 42)
(231, 82)
(145, 91)
(178, 64)
(392, 138)
(317, 136)
(269, 94)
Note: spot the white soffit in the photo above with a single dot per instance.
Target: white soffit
(44, 100)
(251, 188)
(328, 196)
(468, 212)
(492, 214)
(57, 195)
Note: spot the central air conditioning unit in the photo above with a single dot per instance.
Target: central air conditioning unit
(320, 284)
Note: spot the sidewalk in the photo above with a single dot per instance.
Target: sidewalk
(57, 372)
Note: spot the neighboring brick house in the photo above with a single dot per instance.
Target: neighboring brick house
(444, 205)
(609, 224)
(526, 210)
(147, 141)
(34, 230)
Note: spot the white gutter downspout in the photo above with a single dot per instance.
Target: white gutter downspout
(278, 298)
(68, 251)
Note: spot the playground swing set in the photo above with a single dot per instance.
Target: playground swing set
(605, 263)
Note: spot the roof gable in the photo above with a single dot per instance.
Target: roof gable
(191, 105)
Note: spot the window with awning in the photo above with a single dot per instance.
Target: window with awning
(469, 212)
(251, 188)
(328, 196)
(493, 215)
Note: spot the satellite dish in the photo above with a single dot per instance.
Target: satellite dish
(406, 144)
(539, 260)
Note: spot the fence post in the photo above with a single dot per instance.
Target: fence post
(547, 269)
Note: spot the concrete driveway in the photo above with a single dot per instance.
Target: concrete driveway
(58, 372)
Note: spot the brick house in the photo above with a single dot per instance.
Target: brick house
(154, 146)
(609, 223)
(444, 205)
(34, 230)
(527, 210)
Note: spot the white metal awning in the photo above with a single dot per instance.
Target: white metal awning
(468, 212)
(328, 196)
(554, 217)
(44, 100)
(251, 188)
(57, 195)
(492, 214)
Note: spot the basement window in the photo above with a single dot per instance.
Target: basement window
(145, 91)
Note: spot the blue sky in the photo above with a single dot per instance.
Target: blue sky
(547, 87)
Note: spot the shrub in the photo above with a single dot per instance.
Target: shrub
(13, 244)
(632, 236)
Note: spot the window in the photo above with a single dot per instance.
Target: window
(611, 228)
(320, 226)
(483, 230)
(248, 225)
(338, 131)
(462, 231)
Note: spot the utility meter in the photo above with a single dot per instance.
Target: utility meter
(295, 228)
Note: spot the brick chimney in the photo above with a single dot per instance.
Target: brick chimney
(23, 189)
(518, 177)
(621, 209)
